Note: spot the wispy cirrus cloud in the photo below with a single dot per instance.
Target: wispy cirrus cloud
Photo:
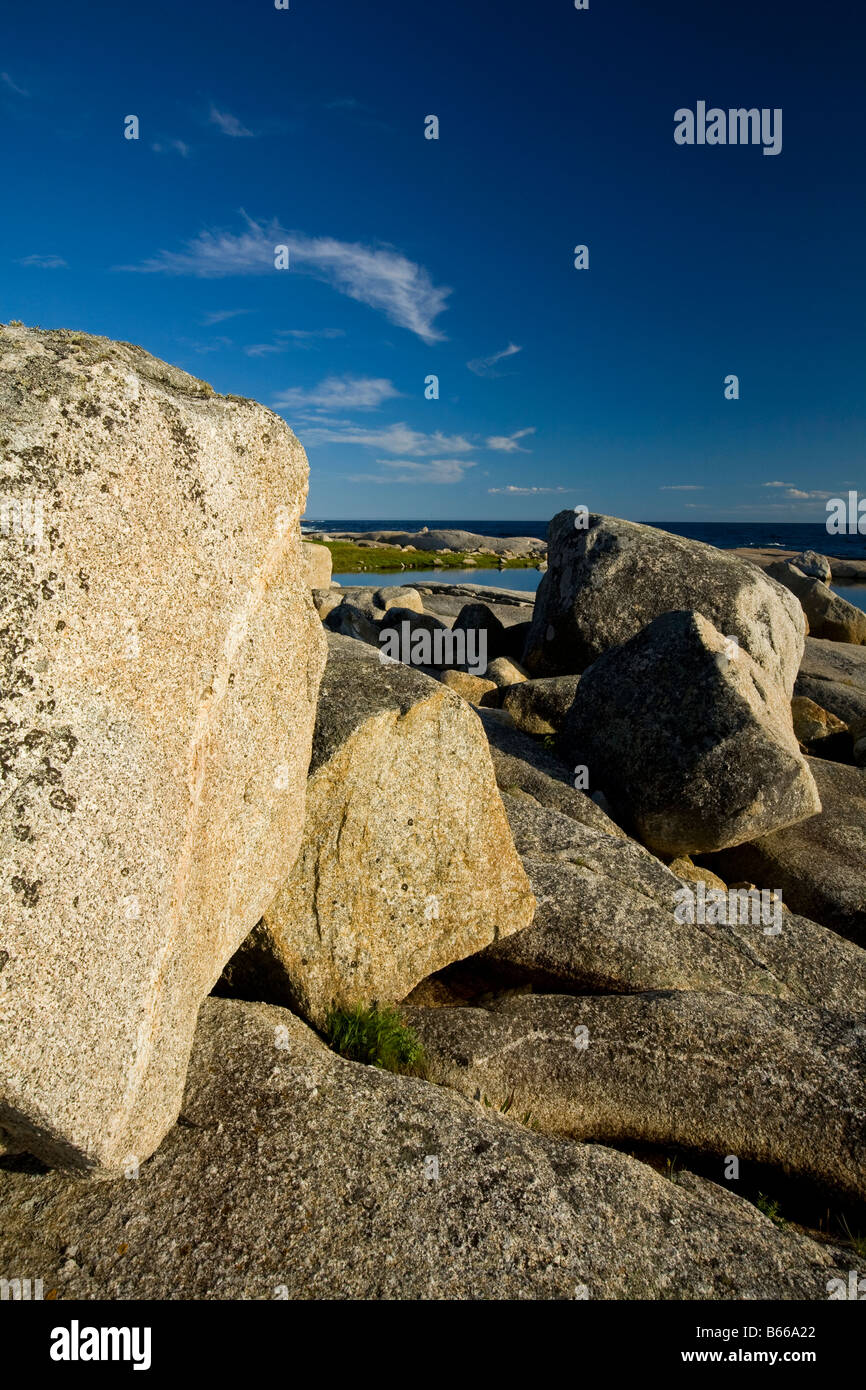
(12, 86)
(288, 338)
(44, 262)
(486, 366)
(512, 491)
(510, 443)
(398, 439)
(681, 487)
(340, 392)
(220, 316)
(167, 146)
(378, 276)
(228, 124)
(408, 471)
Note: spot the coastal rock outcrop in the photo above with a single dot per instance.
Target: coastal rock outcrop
(342, 1181)
(161, 657)
(689, 739)
(407, 861)
(764, 1079)
(606, 582)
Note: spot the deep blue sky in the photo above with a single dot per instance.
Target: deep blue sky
(413, 257)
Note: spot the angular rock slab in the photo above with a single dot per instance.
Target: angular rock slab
(694, 745)
(829, 616)
(766, 1080)
(607, 921)
(407, 862)
(833, 674)
(607, 582)
(337, 1181)
(161, 659)
(820, 865)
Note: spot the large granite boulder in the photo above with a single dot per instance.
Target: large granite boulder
(160, 660)
(294, 1174)
(762, 1079)
(833, 674)
(828, 615)
(407, 861)
(607, 582)
(820, 864)
(612, 918)
(317, 559)
(689, 739)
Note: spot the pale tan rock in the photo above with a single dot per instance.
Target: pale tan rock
(161, 658)
(504, 671)
(317, 559)
(812, 724)
(473, 688)
(407, 862)
(396, 596)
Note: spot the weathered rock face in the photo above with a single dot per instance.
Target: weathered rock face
(812, 724)
(828, 615)
(523, 765)
(479, 617)
(607, 582)
(540, 706)
(692, 743)
(317, 559)
(815, 565)
(833, 674)
(609, 919)
(327, 1190)
(820, 865)
(766, 1080)
(398, 596)
(160, 663)
(350, 621)
(472, 688)
(407, 861)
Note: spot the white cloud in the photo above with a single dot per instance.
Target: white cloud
(220, 315)
(228, 124)
(13, 86)
(486, 366)
(293, 337)
(179, 146)
(508, 443)
(777, 485)
(681, 487)
(393, 439)
(513, 491)
(797, 495)
(407, 471)
(377, 276)
(335, 392)
(44, 262)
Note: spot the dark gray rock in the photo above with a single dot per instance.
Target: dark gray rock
(692, 746)
(607, 920)
(763, 1079)
(820, 864)
(828, 615)
(540, 706)
(607, 582)
(833, 674)
(295, 1174)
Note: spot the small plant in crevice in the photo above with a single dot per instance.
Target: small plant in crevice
(770, 1208)
(376, 1037)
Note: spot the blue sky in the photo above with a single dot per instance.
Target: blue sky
(411, 257)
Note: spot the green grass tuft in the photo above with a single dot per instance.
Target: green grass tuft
(770, 1207)
(377, 1037)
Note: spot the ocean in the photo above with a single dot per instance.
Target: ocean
(727, 535)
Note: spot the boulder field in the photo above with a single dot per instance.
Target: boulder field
(524, 963)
